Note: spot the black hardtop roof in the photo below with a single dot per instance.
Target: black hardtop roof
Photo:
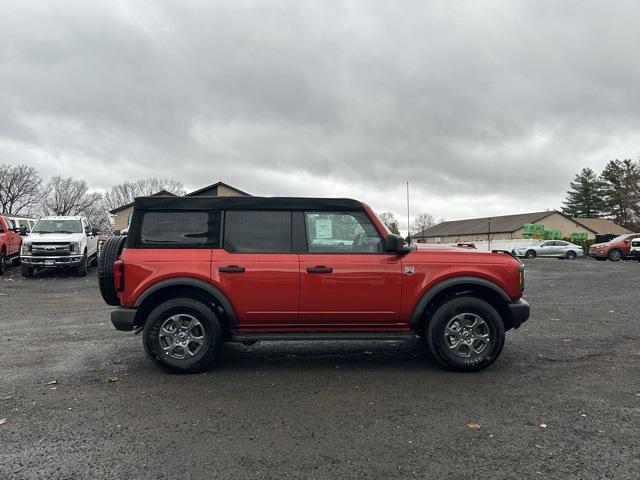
(245, 203)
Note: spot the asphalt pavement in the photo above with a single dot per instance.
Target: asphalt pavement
(80, 400)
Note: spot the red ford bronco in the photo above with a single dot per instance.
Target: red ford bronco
(193, 273)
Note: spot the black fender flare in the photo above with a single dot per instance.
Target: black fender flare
(431, 293)
(195, 283)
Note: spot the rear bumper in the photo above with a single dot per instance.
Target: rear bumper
(519, 312)
(123, 318)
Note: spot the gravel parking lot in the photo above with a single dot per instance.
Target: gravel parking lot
(563, 401)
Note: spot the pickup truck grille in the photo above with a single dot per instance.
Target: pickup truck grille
(50, 249)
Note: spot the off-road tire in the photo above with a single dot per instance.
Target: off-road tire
(27, 272)
(213, 337)
(531, 254)
(110, 252)
(3, 265)
(571, 255)
(81, 270)
(448, 311)
(615, 255)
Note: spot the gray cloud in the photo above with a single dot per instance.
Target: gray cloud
(485, 107)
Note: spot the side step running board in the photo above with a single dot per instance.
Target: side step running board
(300, 337)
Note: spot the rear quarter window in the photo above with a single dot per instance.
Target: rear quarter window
(257, 231)
(180, 229)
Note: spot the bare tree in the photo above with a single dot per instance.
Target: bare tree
(124, 193)
(422, 222)
(68, 196)
(19, 189)
(390, 221)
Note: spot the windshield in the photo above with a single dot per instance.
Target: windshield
(620, 238)
(58, 226)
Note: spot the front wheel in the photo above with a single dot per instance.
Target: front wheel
(182, 335)
(81, 270)
(27, 272)
(3, 265)
(466, 334)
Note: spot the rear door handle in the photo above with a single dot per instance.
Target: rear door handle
(319, 269)
(231, 269)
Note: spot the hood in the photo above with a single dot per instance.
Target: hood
(53, 237)
(448, 248)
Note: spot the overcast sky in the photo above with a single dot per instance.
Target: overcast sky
(486, 108)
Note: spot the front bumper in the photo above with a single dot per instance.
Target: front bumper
(123, 318)
(51, 262)
(519, 312)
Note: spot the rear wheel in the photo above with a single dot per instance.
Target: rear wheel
(3, 264)
(530, 254)
(615, 255)
(109, 254)
(27, 271)
(182, 335)
(571, 255)
(466, 334)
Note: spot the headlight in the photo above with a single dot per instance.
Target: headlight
(75, 247)
(25, 249)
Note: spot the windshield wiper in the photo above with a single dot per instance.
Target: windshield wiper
(40, 231)
(62, 231)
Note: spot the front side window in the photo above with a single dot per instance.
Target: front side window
(341, 232)
(58, 226)
(257, 231)
(182, 228)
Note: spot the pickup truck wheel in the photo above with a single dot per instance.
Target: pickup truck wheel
(27, 272)
(81, 270)
(94, 261)
(615, 255)
(466, 334)
(3, 265)
(182, 335)
(530, 254)
(110, 253)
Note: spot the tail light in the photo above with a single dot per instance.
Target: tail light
(522, 276)
(118, 275)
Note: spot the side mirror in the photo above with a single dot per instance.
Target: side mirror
(395, 244)
(95, 232)
(23, 230)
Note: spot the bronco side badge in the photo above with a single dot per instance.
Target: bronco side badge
(409, 270)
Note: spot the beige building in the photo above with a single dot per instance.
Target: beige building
(506, 227)
(122, 215)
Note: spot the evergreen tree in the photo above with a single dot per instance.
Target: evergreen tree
(621, 191)
(584, 198)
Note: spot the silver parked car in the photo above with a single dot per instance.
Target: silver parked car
(550, 248)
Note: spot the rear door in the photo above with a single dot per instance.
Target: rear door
(257, 269)
(347, 281)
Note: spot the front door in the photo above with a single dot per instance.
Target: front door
(257, 269)
(347, 281)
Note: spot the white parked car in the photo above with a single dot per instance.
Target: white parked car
(60, 242)
(550, 248)
(635, 248)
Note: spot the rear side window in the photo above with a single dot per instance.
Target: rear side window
(257, 231)
(183, 228)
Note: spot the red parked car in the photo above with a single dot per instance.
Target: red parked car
(615, 249)
(196, 272)
(10, 242)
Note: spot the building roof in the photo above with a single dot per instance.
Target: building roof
(215, 186)
(161, 193)
(499, 224)
(602, 225)
(246, 203)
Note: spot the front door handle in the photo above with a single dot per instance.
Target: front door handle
(231, 269)
(319, 269)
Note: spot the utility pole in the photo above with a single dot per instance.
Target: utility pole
(408, 221)
(489, 234)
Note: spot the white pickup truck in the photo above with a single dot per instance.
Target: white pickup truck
(635, 248)
(60, 242)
